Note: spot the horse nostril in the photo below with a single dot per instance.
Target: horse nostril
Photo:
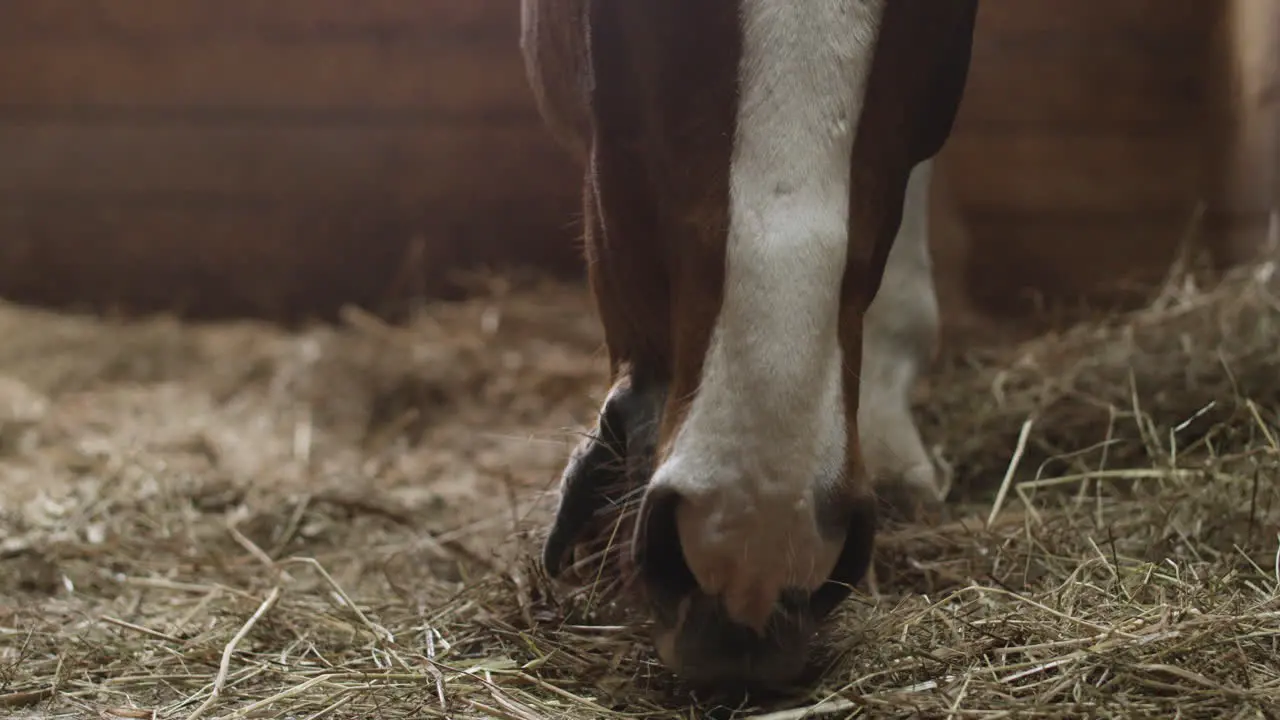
(859, 518)
(657, 552)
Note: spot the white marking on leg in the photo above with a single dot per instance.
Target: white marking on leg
(900, 337)
(768, 420)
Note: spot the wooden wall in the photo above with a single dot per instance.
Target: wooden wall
(268, 156)
(1248, 168)
(283, 157)
(1080, 153)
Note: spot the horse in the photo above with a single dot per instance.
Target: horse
(754, 205)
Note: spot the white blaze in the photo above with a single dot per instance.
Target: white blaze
(768, 419)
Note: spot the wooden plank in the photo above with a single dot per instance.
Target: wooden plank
(1138, 21)
(1106, 88)
(283, 261)
(451, 166)
(1049, 172)
(1017, 257)
(193, 20)
(1068, 255)
(1238, 236)
(1249, 122)
(444, 80)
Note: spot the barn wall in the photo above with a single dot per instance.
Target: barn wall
(1084, 142)
(283, 157)
(268, 156)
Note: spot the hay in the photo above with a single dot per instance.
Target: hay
(232, 521)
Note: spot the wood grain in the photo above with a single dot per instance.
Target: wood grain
(286, 261)
(1084, 143)
(275, 157)
(187, 20)
(1025, 87)
(284, 156)
(456, 169)
(1029, 172)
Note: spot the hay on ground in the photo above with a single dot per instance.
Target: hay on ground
(233, 521)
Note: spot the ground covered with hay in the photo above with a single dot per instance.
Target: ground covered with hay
(235, 521)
